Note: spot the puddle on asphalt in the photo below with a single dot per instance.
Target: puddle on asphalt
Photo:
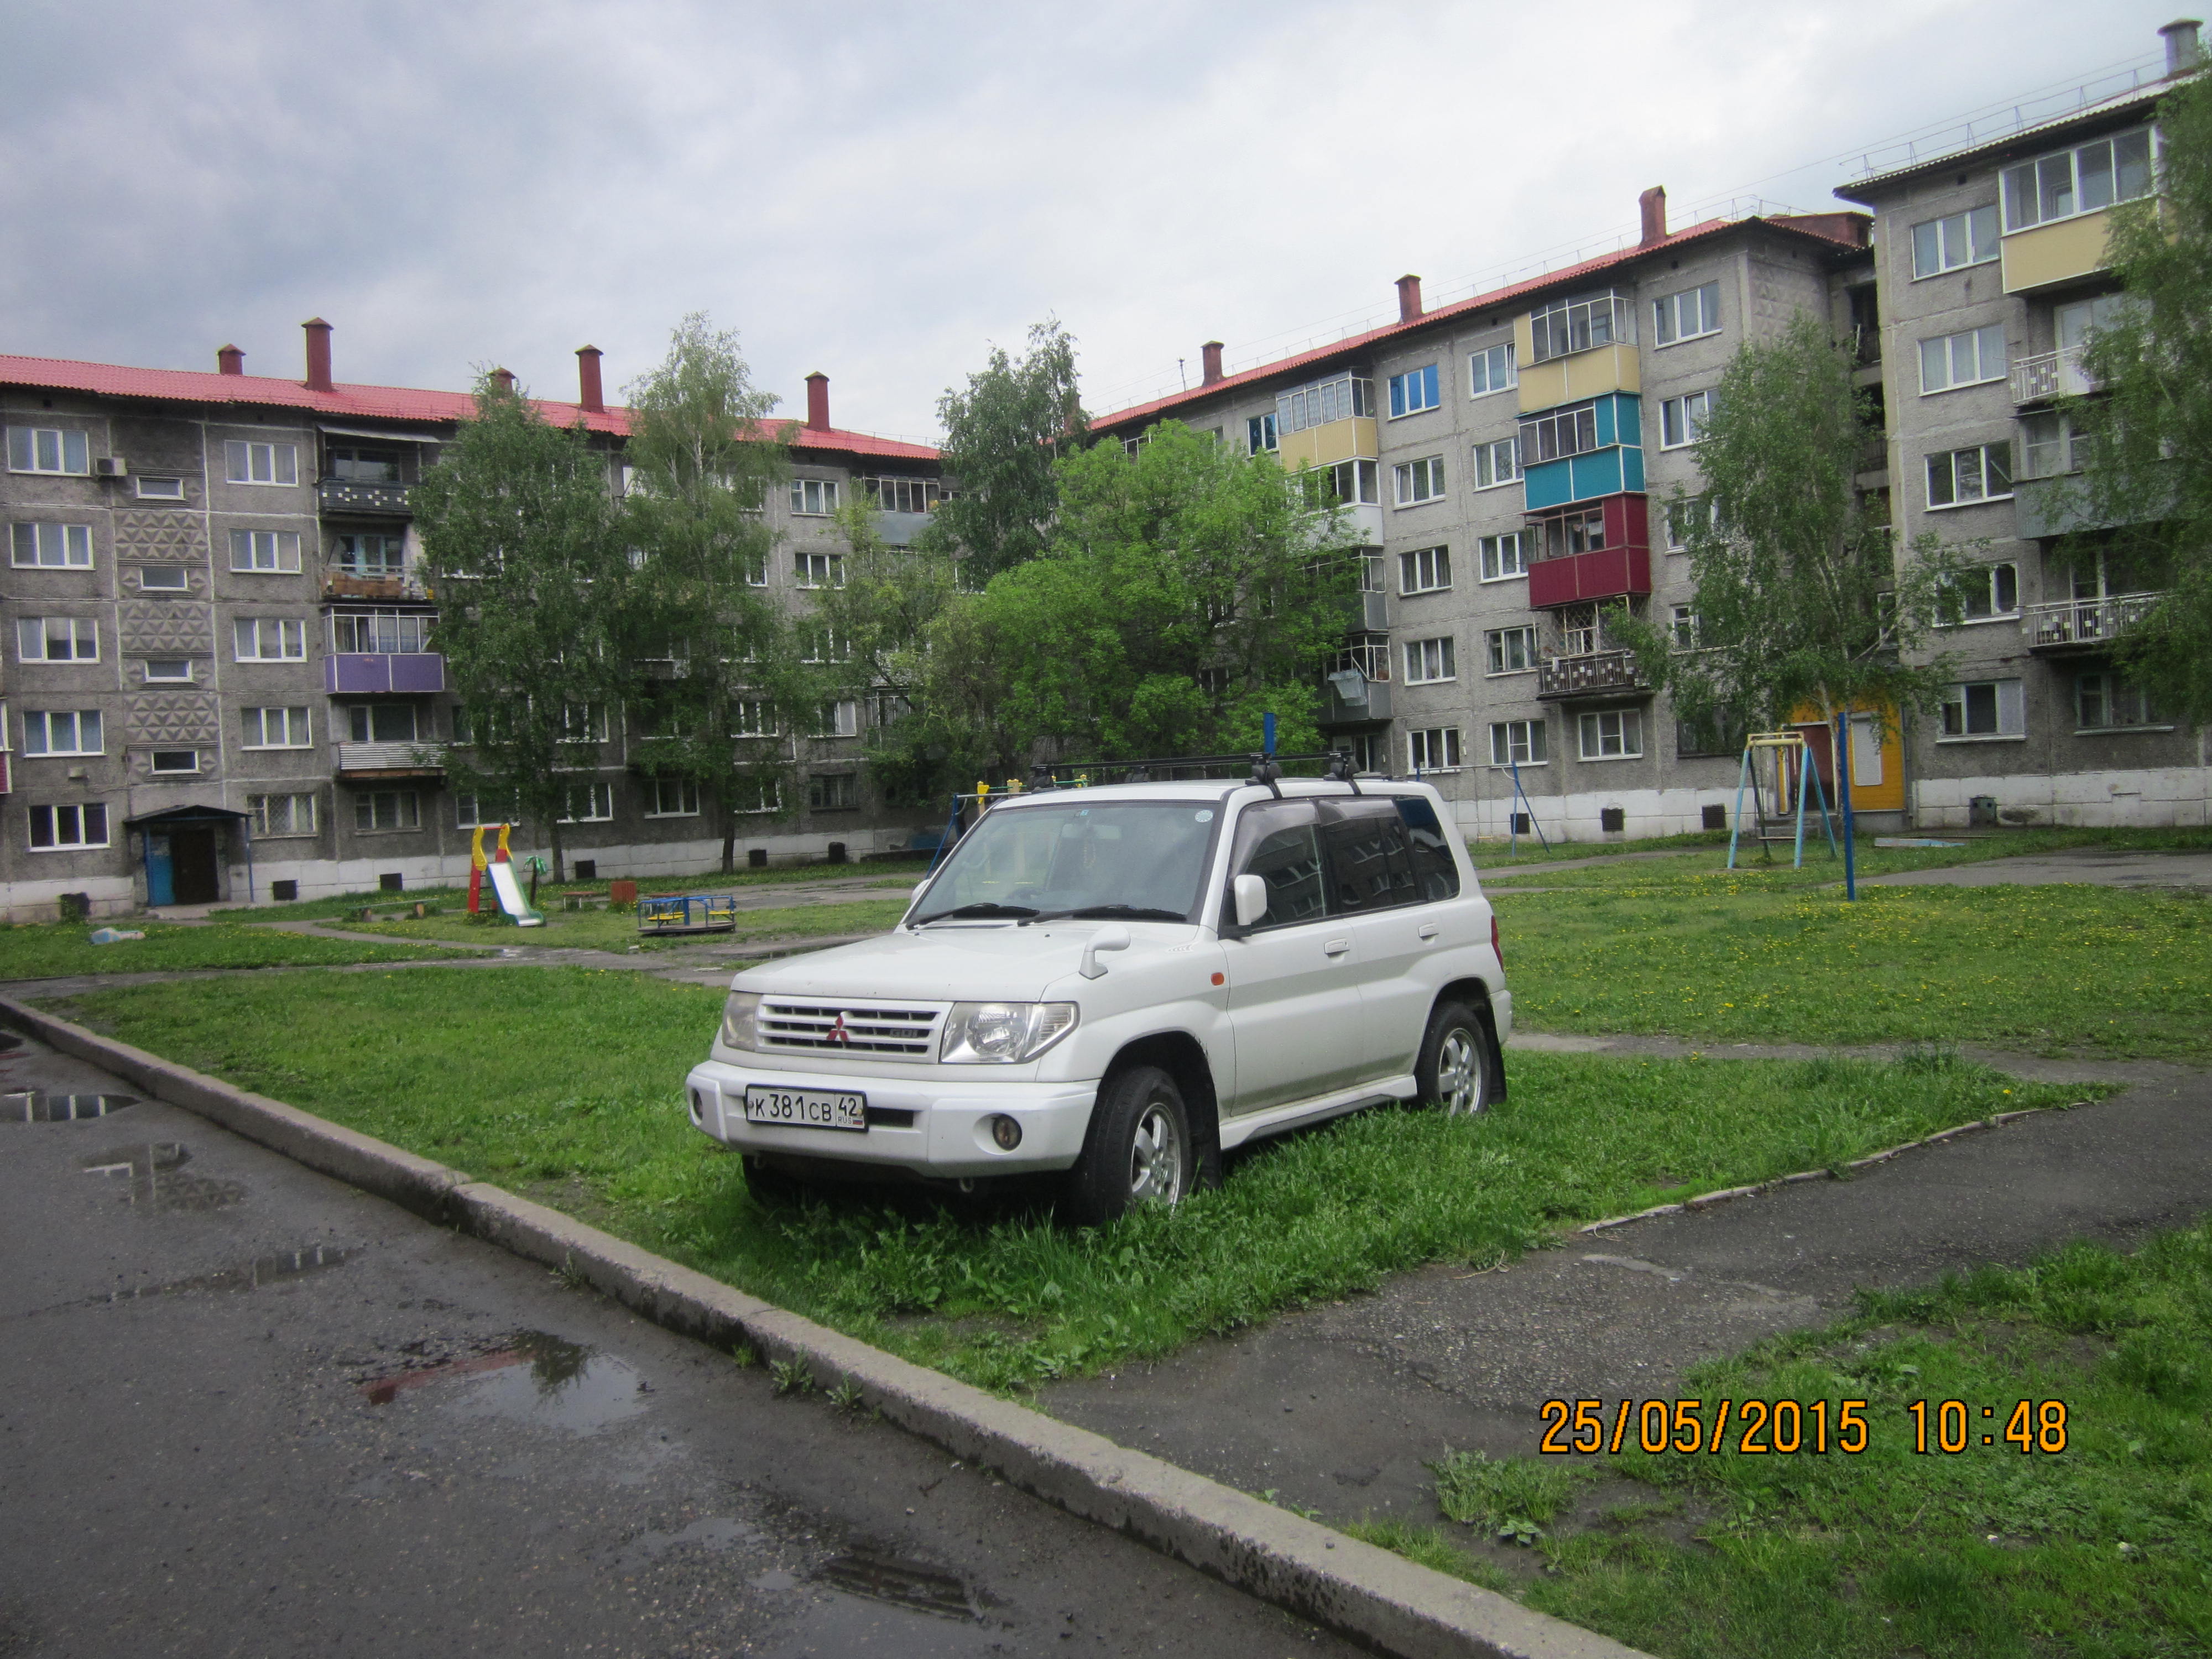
(151, 1169)
(715, 1533)
(880, 1607)
(902, 1583)
(533, 1377)
(262, 1270)
(31, 1106)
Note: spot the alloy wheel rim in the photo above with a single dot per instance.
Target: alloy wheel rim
(1156, 1157)
(1459, 1073)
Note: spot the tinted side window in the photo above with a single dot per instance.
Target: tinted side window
(1369, 863)
(1436, 874)
(1281, 845)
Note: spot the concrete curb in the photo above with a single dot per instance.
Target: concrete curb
(1354, 1589)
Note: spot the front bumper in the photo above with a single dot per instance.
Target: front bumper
(948, 1137)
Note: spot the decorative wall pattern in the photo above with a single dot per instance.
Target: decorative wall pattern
(146, 536)
(163, 627)
(174, 717)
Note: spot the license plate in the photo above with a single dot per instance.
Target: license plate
(809, 1109)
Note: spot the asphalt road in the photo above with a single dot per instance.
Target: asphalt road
(245, 1410)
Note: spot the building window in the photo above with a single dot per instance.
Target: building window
(588, 803)
(1413, 391)
(833, 792)
(1983, 594)
(1682, 627)
(169, 671)
(1517, 743)
(373, 557)
(1611, 734)
(1959, 477)
(1498, 463)
(904, 495)
(756, 793)
(2050, 446)
(1425, 570)
(1559, 535)
(584, 722)
(1562, 432)
(357, 465)
(265, 549)
(1693, 740)
(1580, 325)
(1368, 653)
(1435, 750)
(1259, 435)
(260, 463)
(821, 644)
(1348, 483)
(164, 579)
(1682, 518)
(52, 546)
(49, 449)
(752, 717)
(380, 633)
(1323, 402)
(1687, 315)
(1579, 630)
(1512, 650)
(2078, 180)
(814, 496)
(1963, 358)
(62, 732)
(469, 814)
(387, 809)
(275, 728)
(281, 815)
(1420, 481)
(1683, 420)
(1964, 238)
(2105, 702)
(820, 569)
(57, 639)
(1502, 557)
(161, 489)
(672, 798)
(1429, 661)
(64, 829)
(1492, 370)
(838, 720)
(173, 763)
(381, 722)
(269, 639)
(1983, 708)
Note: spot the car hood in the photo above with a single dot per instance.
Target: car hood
(956, 962)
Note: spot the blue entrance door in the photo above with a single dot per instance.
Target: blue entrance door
(160, 878)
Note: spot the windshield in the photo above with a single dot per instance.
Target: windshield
(1137, 860)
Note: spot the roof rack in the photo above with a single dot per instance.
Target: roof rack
(1336, 763)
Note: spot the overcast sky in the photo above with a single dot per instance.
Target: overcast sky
(882, 191)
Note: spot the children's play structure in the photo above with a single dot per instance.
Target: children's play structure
(500, 867)
(688, 913)
(1780, 776)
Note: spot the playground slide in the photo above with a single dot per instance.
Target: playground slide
(510, 895)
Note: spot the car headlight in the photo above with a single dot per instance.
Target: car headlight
(1003, 1033)
(740, 1016)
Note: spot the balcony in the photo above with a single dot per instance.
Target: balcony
(2052, 374)
(338, 585)
(390, 760)
(2057, 252)
(2044, 507)
(1609, 573)
(1600, 674)
(1338, 711)
(348, 495)
(900, 529)
(372, 673)
(2085, 624)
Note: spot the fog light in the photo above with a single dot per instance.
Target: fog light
(1006, 1133)
(698, 1107)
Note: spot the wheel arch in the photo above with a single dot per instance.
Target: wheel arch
(1183, 1057)
(1474, 992)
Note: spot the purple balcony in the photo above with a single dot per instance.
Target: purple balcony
(350, 674)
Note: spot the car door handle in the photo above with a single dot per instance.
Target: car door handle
(1427, 930)
(1335, 947)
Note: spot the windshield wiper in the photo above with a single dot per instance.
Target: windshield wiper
(1114, 912)
(985, 909)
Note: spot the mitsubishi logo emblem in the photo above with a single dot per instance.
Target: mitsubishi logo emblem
(837, 1033)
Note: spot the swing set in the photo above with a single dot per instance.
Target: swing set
(1777, 769)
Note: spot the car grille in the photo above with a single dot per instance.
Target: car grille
(878, 1031)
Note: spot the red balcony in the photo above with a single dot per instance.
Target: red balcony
(1608, 573)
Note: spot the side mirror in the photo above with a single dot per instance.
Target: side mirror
(1112, 937)
(920, 888)
(1251, 893)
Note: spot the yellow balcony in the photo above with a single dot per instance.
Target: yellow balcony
(1326, 445)
(2054, 253)
(1570, 379)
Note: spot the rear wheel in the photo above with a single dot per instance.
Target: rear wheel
(1139, 1149)
(1453, 1070)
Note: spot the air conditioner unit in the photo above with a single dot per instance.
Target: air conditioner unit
(110, 466)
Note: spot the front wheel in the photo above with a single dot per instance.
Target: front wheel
(1138, 1151)
(1453, 1070)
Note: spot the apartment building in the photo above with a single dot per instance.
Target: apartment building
(219, 683)
(1507, 460)
(1991, 265)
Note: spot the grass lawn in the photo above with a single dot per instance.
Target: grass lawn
(1710, 848)
(1988, 1553)
(612, 930)
(565, 1084)
(57, 950)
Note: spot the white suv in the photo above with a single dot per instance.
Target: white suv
(1122, 982)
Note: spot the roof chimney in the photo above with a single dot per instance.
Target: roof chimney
(502, 382)
(1652, 205)
(229, 359)
(817, 401)
(587, 380)
(319, 355)
(1209, 354)
(2181, 51)
(1409, 298)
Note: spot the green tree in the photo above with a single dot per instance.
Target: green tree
(1002, 439)
(522, 536)
(2146, 437)
(1800, 603)
(703, 460)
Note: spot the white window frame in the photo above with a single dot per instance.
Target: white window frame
(1425, 570)
(1626, 732)
(360, 722)
(264, 820)
(1949, 460)
(822, 782)
(822, 492)
(598, 800)
(183, 583)
(1498, 463)
(1974, 250)
(82, 630)
(2050, 446)
(155, 757)
(71, 451)
(1434, 749)
(1986, 580)
(289, 632)
(2037, 172)
(2007, 702)
(1519, 742)
(346, 552)
(1260, 434)
(1497, 654)
(1683, 420)
(767, 795)
(84, 814)
(149, 488)
(151, 678)
(838, 719)
(45, 545)
(1491, 553)
(1682, 626)
(265, 552)
(1702, 304)
(380, 633)
(686, 796)
(294, 724)
(1423, 382)
(243, 458)
(1432, 661)
(585, 722)
(1426, 473)
(2114, 687)
(1484, 364)
(1671, 523)
(39, 738)
(753, 717)
(819, 569)
(1976, 349)
(406, 807)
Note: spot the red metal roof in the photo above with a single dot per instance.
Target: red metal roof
(374, 402)
(1821, 227)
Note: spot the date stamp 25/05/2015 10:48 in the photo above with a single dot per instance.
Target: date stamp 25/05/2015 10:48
(1761, 1427)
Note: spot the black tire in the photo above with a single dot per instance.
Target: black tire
(771, 1184)
(1457, 1067)
(1139, 1149)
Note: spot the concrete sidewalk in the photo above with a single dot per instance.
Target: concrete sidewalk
(2096, 866)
